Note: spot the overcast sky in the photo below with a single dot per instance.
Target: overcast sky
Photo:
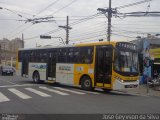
(126, 29)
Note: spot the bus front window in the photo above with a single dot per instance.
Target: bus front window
(126, 61)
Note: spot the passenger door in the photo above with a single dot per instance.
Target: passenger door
(103, 64)
(52, 65)
(25, 63)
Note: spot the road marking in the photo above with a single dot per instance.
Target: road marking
(55, 91)
(8, 81)
(16, 85)
(90, 92)
(3, 98)
(72, 91)
(38, 92)
(19, 93)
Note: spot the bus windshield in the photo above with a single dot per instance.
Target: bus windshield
(126, 61)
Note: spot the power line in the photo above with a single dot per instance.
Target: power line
(9, 19)
(47, 7)
(125, 24)
(14, 12)
(137, 21)
(129, 31)
(15, 29)
(64, 7)
(86, 19)
(135, 27)
(87, 34)
(101, 37)
(90, 28)
(17, 10)
(22, 30)
(37, 36)
(133, 4)
(74, 23)
(89, 37)
(123, 35)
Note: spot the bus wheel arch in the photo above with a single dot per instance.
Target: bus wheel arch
(36, 77)
(86, 82)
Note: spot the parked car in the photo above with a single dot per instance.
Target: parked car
(6, 70)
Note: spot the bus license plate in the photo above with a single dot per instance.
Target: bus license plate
(130, 86)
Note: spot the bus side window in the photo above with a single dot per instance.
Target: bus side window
(86, 54)
(76, 55)
(32, 56)
(70, 56)
(37, 56)
(62, 55)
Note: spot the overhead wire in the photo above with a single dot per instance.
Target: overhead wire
(15, 29)
(58, 29)
(85, 19)
(87, 34)
(88, 37)
(133, 4)
(64, 7)
(88, 28)
(123, 35)
(47, 7)
(23, 30)
(9, 19)
(74, 23)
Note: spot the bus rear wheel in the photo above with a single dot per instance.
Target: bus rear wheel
(36, 77)
(86, 83)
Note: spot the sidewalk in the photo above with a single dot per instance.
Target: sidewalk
(142, 91)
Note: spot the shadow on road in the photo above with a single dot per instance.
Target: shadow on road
(120, 93)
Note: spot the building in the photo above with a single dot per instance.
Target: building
(8, 49)
(5, 44)
(149, 54)
(16, 44)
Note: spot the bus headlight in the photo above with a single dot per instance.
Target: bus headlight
(119, 79)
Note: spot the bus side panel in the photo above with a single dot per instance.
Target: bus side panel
(40, 67)
(64, 73)
(19, 69)
(83, 69)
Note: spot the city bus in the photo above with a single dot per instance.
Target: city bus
(106, 65)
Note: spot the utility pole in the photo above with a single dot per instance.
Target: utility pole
(67, 32)
(0, 53)
(110, 11)
(67, 28)
(22, 41)
(5, 53)
(109, 21)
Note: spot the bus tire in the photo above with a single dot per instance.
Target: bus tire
(86, 83)
(36, 77)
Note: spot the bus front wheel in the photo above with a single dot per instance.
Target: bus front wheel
(86, 83)
(36, 77)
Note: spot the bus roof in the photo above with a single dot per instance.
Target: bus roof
(76, 45)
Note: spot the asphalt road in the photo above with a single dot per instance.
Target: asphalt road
(22, 96)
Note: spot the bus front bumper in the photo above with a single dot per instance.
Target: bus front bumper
(119, 85)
